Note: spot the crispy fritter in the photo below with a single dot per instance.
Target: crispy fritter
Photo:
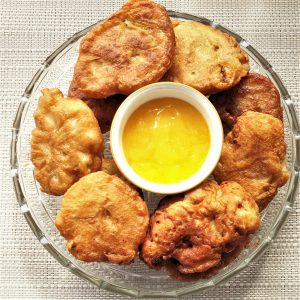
(109, 166)
(132, 48)
(227, 258)
(105, 109)
(194, 230)
(103, 219)
(206, 58)
(253, 155)
(66, 143)
(255, 92)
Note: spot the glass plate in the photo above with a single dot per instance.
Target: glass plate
(136, 279)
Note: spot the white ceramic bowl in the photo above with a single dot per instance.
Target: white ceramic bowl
(161, 90)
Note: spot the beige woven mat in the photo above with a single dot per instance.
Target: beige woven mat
(30, 31)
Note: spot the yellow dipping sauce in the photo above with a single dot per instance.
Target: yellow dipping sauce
(166, 140)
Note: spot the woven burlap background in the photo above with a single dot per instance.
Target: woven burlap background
(30, 31)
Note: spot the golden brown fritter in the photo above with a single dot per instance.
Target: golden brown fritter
(194, 230)
(132, 48)
(253, 155)
(109, 166)
(206, 58)
(66, 143)
(255, 92)
(227, 258)
(105, 109)
(103, 219)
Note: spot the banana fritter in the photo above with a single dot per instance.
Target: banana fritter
(109, 166)
(255, 92)
(206, 58)
(105, 109)
(130, 49)
(195, 230)
(253, 155)
(103, 219)
(66, 143)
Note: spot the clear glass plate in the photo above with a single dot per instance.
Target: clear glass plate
(136, 279)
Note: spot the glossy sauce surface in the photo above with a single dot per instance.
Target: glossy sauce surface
(166, 140)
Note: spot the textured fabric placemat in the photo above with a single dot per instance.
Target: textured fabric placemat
(30, 31)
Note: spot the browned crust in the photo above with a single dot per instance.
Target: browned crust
(111, 62)
(206, 58)
(103, 219)
(105, 109)
(195, 231)
(66, 143)
(255, 92)
(253, 155)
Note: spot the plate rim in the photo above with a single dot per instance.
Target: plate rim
(137, 292)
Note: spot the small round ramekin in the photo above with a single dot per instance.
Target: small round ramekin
(169, 90)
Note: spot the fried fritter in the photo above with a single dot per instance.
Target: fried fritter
(227, 258)
(253, 155)
(194, 230)
(66, 143)
(105, 109)
(109, 166)
(103, 219)
(255, 92)
(132, 48)
(206, 58)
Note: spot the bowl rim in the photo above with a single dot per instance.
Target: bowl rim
(197, 100)
(275, 227)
